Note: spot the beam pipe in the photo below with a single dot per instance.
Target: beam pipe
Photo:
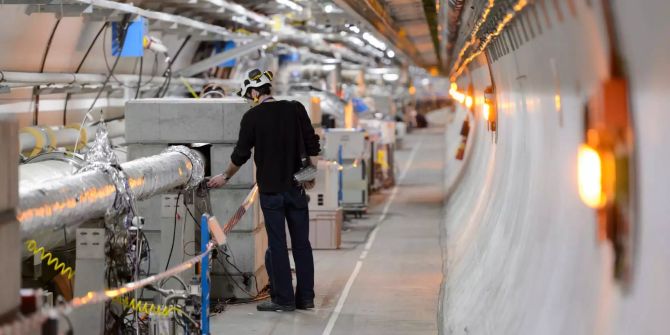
(72, 200)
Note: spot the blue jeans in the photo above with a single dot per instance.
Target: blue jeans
(289, 207)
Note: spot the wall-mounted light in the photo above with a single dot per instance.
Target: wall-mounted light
(468, 102)
(589, 176)
(605, 171)
(486, 110)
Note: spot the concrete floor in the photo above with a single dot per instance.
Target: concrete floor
(386, 278)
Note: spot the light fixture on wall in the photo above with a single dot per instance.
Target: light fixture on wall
(605, 171)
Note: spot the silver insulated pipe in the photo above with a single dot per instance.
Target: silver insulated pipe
(75, 199)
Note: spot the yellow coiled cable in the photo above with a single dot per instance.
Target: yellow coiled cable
(146, 307)
(53, 261)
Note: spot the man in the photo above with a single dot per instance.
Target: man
(271, 129)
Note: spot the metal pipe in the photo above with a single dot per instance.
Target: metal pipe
(38, 78)
(63, 137)
(225, 56)
(73, 200)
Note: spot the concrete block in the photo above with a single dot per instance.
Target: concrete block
(184, 120)
(220, 157)
(247, 252)
(223, 286)
(225, 203)
(233, 116)
(248, 249)
(9, 162)
(136, 151)
(142, 118)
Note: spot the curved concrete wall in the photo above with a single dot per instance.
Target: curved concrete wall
(522, 253)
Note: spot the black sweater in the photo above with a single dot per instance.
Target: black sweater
(271, 128)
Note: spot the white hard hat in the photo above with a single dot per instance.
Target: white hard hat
(255, 78)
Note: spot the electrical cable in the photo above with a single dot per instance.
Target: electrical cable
(235, 281)
(81, 64)
(174, 58)
(174, 231)
(139, 80)
(122, 37)
(36, 89)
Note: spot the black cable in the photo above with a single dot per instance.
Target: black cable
(174, 231)
(49, 42)
(90, 47)
(81, 64)
(235, 281)
(139, 80)
(36, 89)
(174, 58)
(122, 37)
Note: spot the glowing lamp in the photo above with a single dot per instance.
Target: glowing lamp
(486, 111)
(468, 101)
(590, 177)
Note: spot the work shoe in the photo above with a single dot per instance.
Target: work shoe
(269, 306)
(304, 305)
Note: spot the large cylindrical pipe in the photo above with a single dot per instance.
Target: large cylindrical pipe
(32, 137)
(73, 200)
(41, 78)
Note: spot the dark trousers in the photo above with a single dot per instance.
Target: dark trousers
(289, 207)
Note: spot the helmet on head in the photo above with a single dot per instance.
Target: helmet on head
(255, 78)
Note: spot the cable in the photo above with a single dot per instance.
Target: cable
(174, 231)
(36, 89)
(174, 58)
(122, 36)
(139, 80)
(81, 64)
(235, 281)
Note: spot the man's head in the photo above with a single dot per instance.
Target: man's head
(256, 85)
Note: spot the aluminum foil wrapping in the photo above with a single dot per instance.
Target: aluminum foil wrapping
(88, 195)
(101, 157)
(198, 173)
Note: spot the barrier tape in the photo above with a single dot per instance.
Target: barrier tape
(241, 210)
(32, 323)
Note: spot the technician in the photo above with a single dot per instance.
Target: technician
(272, 128)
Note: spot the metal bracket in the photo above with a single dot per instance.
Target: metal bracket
(210, 62)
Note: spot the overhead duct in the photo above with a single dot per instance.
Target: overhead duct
(73, 200)
(41, 139)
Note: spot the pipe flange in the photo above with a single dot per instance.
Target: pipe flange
(198, 166)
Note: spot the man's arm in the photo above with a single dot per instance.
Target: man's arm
(222, 179)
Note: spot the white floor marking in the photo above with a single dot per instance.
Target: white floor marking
(350, 282)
